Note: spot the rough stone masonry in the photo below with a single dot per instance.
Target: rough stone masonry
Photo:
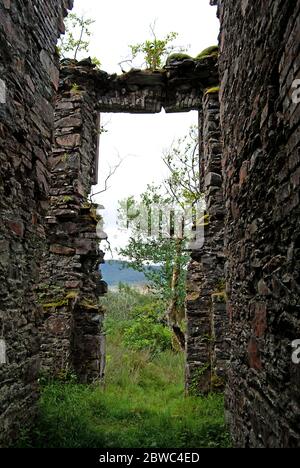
(50, 307)
(48, 247)
(29, 70)
(206, 337)
(70, 282)
(259, 62)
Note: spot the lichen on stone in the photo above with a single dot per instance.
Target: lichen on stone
(72, 295)
(219, 297)
(61, 300)
(55, 305)
(88, 304)
(217, 383)
(68, 199)
(213, 90)
(75, 88)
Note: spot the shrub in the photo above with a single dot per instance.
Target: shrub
(119, 304)
(154, 50)
(146, 331)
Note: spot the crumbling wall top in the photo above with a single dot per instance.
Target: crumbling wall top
(178, 87)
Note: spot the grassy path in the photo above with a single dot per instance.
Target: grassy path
(142, 405)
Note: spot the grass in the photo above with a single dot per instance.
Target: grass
(141, 405)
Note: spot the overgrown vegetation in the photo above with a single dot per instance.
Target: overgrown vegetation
(177, 57)
(76, 40)
(162, 223)
(142, 326)
(153, 52)
(141, 404)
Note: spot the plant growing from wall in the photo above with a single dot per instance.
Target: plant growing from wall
(154, 50)
(76, 40)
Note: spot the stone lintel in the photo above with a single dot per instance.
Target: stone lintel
(178, 87)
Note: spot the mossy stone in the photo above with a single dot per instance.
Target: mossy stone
(178, 57)
(220, 297)
(212, 51)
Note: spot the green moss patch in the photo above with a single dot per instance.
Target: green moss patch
(177, 57)
(55, 305)
(88, 304)
(212, 51)
(212, 90)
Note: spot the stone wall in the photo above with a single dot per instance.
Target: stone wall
(178, 87)
(29, 73)
(207, 347)
(70, 285)
(259, 61)
(72, 338)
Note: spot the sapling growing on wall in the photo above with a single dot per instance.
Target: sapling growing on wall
(153, 52)
(76, 40)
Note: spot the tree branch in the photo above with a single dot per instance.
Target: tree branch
(112, 171)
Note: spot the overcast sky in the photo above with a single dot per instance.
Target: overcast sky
(141, 139)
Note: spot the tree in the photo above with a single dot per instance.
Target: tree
(77, 38)
(168, 247)
(111, 172)
(153, 51)
(183, 163)
(143, 250)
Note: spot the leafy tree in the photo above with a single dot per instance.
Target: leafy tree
(154, 50)
(183, 162)
(169, 247)
(77, 38)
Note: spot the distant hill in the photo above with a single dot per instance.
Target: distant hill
(114, 273)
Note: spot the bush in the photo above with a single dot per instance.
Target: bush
(145, 331)
(136, 318)
(119, 304)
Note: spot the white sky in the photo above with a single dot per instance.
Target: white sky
(141, 139)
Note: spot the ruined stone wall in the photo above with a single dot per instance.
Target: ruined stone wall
(29, 74)
(207, 347)
(178, 87)
(70, 286)
(259, 61)
(72, 339)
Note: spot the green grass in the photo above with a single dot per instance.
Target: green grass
(141, 405)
